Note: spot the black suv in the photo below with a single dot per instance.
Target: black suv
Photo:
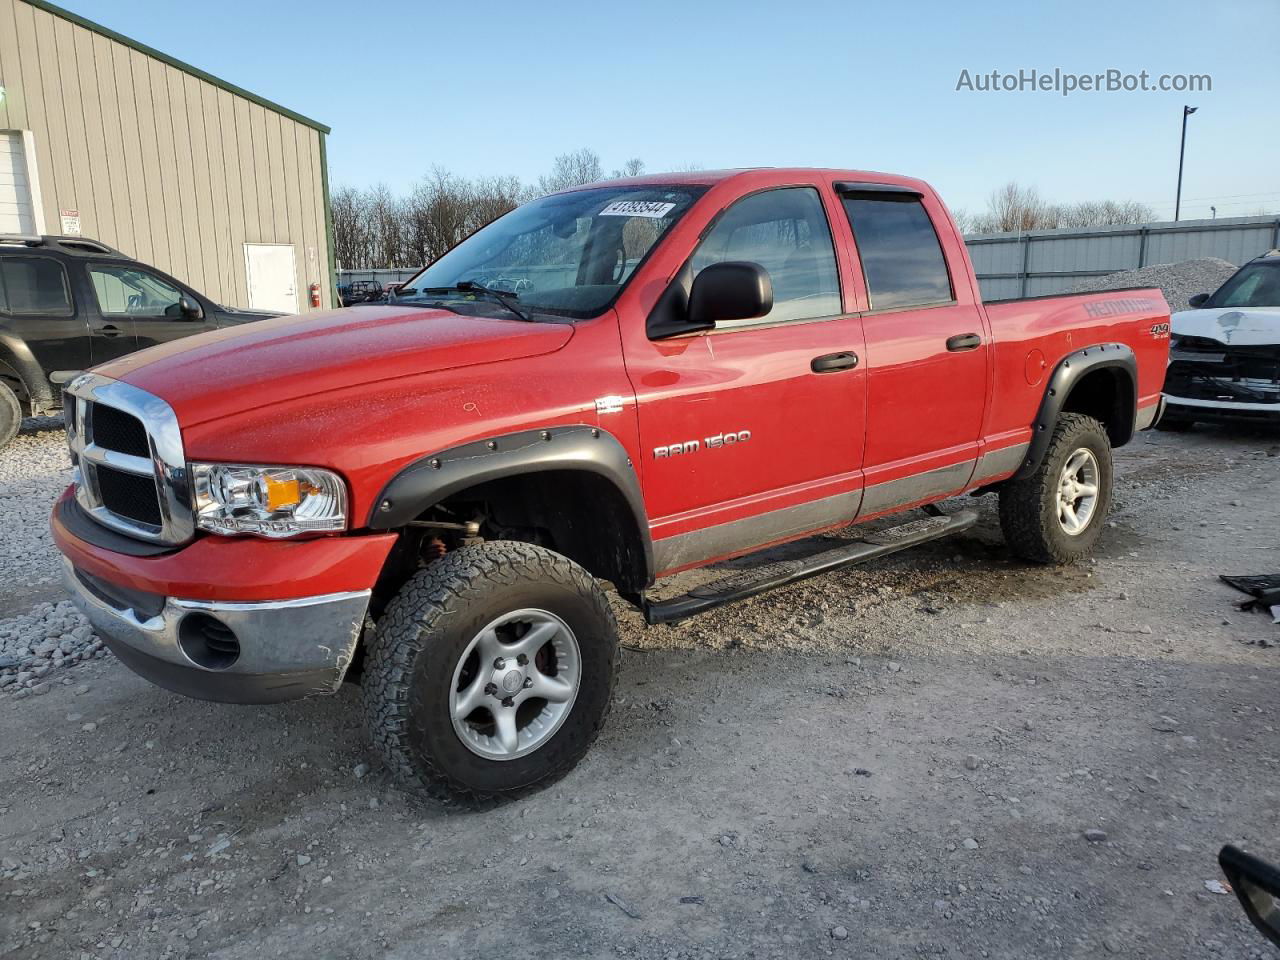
(68, 303)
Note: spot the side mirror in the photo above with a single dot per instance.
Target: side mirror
(1257, 884)
(190, 309)
(732, 290)
(1198, 300)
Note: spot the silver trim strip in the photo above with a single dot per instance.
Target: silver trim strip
(166, 464)
(921, 486)
(737, 536)
(998, 463)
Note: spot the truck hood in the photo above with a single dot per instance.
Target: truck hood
(1238, 326)
(255, 365)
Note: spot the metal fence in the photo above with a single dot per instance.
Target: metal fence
(384, 276)
(1040, 262)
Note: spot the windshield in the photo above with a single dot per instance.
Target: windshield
(1253, 285)
(569, 254)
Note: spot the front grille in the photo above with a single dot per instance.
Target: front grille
(129, 495)
(1203, 369)
(116, 430)
(131, 471)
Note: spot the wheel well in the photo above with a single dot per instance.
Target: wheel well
(14, 382)
(1107, 395)
(577, 513)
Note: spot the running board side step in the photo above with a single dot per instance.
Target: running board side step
(749, 583)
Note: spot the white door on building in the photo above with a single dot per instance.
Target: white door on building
(17, 211)
(273, 277)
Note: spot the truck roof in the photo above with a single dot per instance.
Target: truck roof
(778, 174)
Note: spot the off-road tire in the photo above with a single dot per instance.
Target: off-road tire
(1029, 506)
(418, 641)
(10, 414)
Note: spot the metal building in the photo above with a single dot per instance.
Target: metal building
(108, 138)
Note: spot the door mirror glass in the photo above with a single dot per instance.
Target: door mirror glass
(190, 309)
(730, 290)
(1257, 884)
(1198, 300)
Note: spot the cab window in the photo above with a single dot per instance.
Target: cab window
(129, 292)
(901, 257)
(34, 286)
(786, 232)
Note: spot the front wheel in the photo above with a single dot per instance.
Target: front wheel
(10, 414)
(1056, 514)
(491, 672)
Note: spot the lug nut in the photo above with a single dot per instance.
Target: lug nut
(522, 660)
(491, 689)
(500, 663)
(508, 702)
(528, 682)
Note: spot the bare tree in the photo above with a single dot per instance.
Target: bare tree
(632, 168)
(572, 170)
(374, 228)
(1014, 207)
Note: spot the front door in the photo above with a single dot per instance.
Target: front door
(749, 436)
(144, 303)
(926, 349)
(273, 277)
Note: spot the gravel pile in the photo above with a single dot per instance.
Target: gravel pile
(34, 470)
(34, 645)
(1179, 281)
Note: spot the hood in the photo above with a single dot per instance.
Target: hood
(230, 316)
(1237, 326)
(225, 372)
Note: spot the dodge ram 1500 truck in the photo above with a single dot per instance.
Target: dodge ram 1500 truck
(608, 384)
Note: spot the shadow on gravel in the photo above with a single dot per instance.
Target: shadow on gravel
(944, 803)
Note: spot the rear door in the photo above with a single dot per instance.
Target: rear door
(744, 441)
(144, 302)
(927, 347)
(38, 308)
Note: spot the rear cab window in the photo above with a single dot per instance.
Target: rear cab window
(902, 259)
(34, 286)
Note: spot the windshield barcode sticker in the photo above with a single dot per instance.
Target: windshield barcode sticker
(637, 208)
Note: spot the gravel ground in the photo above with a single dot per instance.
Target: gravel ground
(948, 754)
(1179, 281)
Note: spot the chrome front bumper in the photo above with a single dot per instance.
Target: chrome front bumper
(283, 650)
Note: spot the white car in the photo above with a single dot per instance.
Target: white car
(1224, 361)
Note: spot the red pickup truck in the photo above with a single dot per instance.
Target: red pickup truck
(609, 384)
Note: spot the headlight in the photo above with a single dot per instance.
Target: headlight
(269, 501)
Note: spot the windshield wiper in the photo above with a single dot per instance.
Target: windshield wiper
(502, 297)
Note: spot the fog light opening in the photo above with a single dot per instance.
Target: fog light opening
(208, 642)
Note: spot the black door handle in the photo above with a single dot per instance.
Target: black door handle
(831, 362)
(110, 331)
(964, 341)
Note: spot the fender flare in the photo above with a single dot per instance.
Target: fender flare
(1073, 368)
(17, 359)
(435, 477)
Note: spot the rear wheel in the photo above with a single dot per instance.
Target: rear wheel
(1056, 514)
(10, 414)
(491, 672)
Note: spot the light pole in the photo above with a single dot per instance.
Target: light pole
(1177, 203)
